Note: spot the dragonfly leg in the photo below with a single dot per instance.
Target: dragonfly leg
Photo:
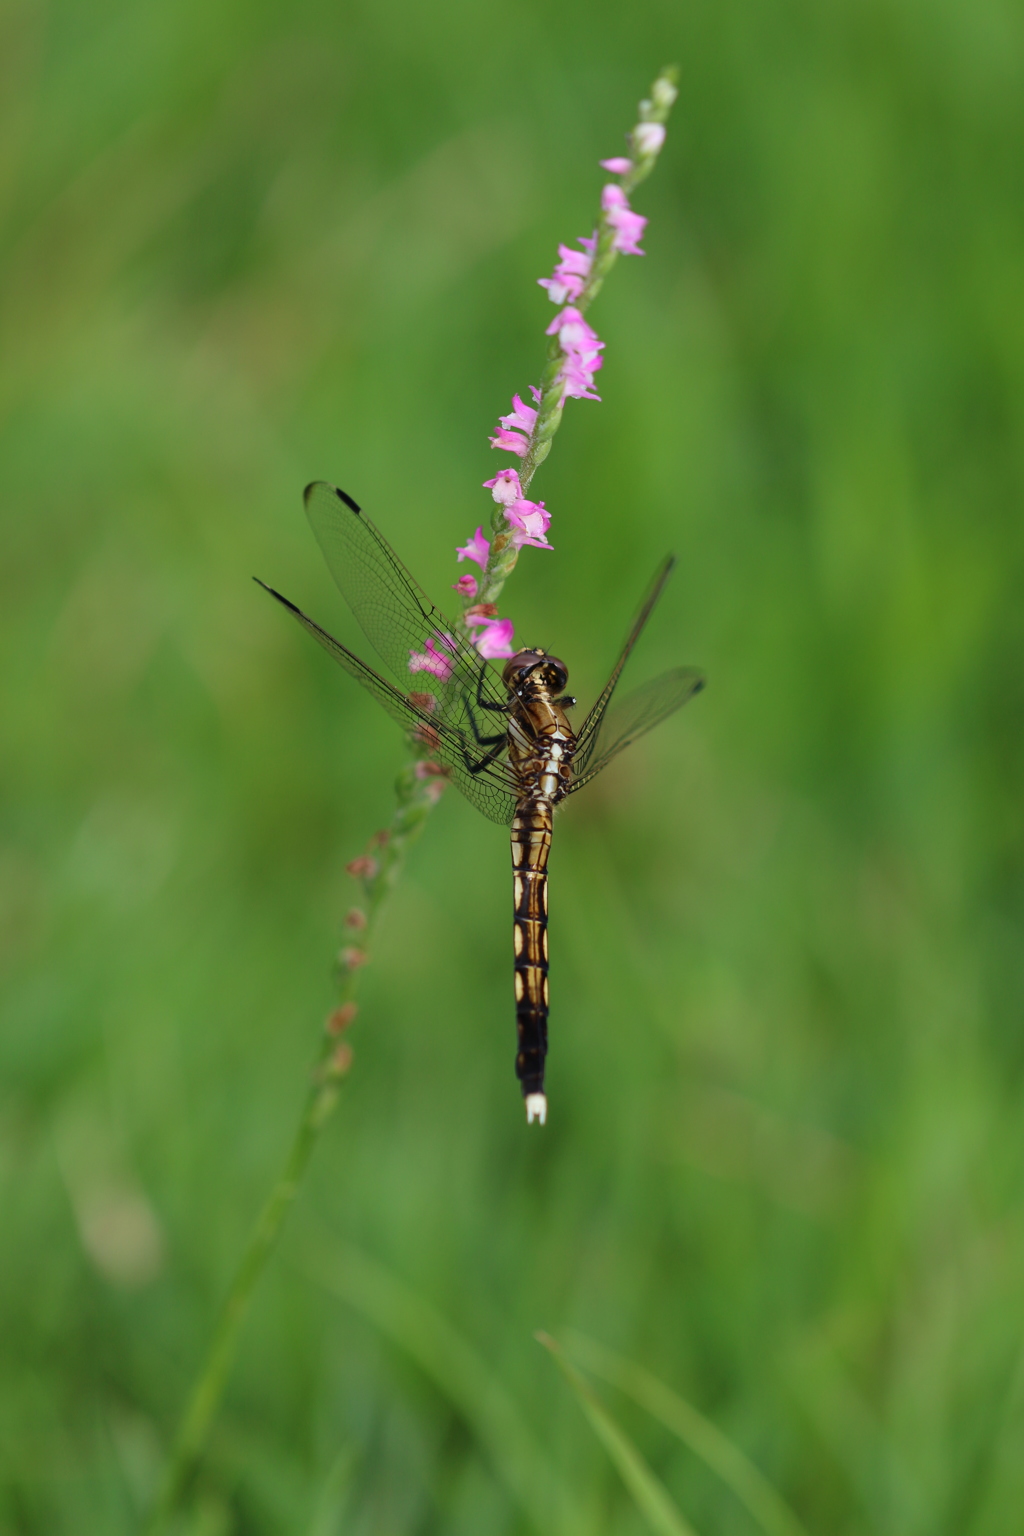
(499, 709)
(489, 757)
(482, 741)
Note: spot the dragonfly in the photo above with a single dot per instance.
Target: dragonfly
(504, 739)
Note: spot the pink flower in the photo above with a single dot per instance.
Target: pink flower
(582, 347)
(477, 548)
(434, 661)
(628, 226)
(510, 442)
(570, 274)
(573, 332)
(504, 487)
(648, 138)
(531, 520)
(465, 586)
(618, 165)
(522, 416)
(577, 376)
(495, 638)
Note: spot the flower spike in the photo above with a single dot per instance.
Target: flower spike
(574, 359)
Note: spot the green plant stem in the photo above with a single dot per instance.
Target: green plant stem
(377, 874)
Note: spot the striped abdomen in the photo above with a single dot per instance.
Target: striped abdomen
(531, 843)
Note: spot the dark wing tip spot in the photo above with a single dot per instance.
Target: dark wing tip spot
(282, 600)
(341, 495)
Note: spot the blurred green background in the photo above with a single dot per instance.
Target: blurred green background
(247, 245)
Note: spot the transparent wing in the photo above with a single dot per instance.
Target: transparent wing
(589, 732)
(490, 790)
(419, 646)
(637, 714)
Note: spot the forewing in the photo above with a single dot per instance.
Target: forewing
(490, 790)
(637, 714)
(395, 614)
(587, 735)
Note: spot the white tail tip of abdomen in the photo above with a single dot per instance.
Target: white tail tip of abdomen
(536, 1108)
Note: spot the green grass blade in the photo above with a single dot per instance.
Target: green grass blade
(719, 1453)
(456, 1369)
(649, 1493)
(330, 1506)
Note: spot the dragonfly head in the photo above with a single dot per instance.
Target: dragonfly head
(533, 667)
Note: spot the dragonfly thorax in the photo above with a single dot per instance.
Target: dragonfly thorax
(535, 669)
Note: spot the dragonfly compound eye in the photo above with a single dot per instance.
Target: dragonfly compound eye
(558, 674)
(535, 666)
(518, 667)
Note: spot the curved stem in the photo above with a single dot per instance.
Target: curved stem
(209, 1387)
(377, 874)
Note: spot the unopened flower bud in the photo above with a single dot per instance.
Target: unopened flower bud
(426, 769)
(338, 1021)
(341, 1060)
(355, 919)
(648, 138)
(363, 868)
(664, 93)
(352, 958)
(426, 736)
